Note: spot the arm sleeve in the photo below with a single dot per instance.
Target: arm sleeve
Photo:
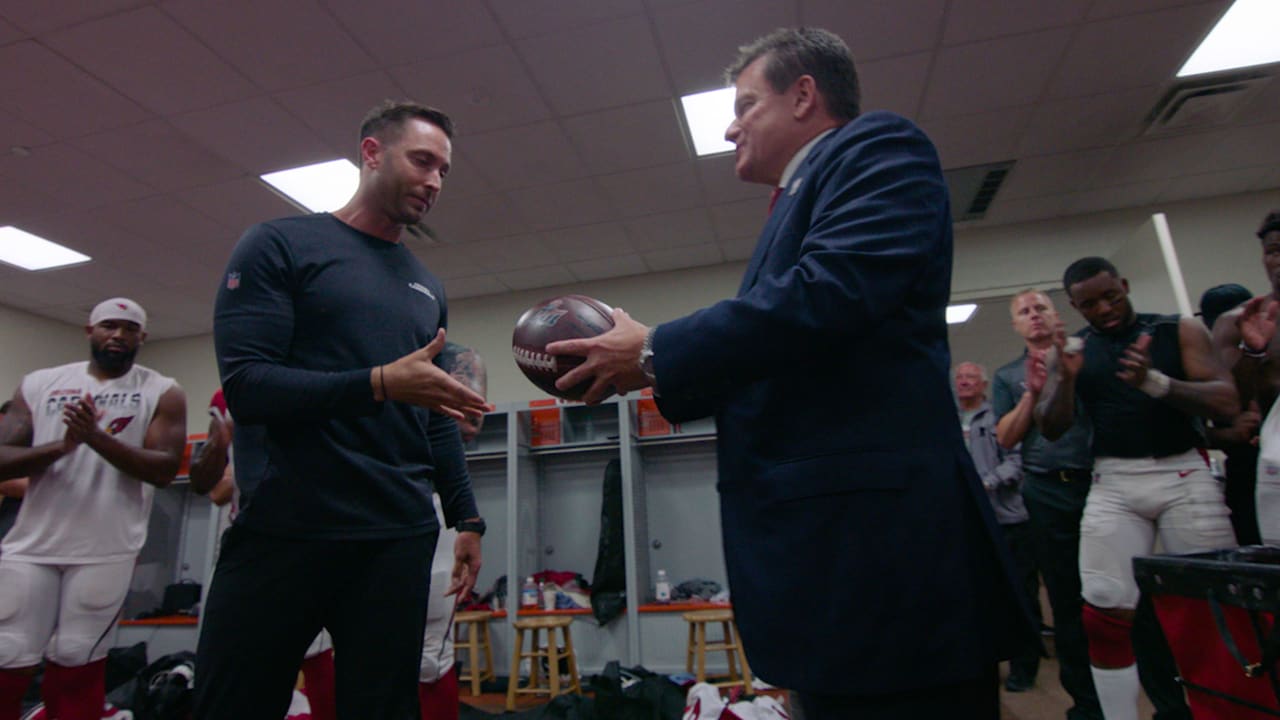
(450, 479)
(1002, 398)
(1009, 471)
(253, 324)
(876, 225)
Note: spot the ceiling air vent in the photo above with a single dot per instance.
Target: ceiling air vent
(974, 188)
(1203, 102)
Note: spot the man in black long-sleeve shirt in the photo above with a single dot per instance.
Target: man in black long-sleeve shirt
(326, 329)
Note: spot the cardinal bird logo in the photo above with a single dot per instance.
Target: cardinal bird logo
(118, 425)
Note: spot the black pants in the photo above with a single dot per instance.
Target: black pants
(973, 700)
(1056, 504)
(270, 597)
(1022, 548)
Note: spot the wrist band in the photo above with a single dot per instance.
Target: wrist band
(1156, 384)
(1251, 353)
(382, 382)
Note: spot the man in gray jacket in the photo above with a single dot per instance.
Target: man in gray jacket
(1001, 473)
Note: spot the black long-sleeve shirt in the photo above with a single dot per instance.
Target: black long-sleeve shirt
(307, 307)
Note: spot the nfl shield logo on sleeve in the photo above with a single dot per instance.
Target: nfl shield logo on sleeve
(233, 280)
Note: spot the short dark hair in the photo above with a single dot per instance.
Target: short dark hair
(387, 119)
(4, 407)
(805, 51)
(1270, 224)
(1085, 268)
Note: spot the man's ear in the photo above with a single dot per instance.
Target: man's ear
(370, 152)
(806, 100)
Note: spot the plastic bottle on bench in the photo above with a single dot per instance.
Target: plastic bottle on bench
(662, 588)
(529, 594)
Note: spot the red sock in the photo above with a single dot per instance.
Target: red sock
(13, 686)
(75, 693)
(439, 699)
(317, 673)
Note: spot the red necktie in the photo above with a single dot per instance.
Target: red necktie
(773, 198)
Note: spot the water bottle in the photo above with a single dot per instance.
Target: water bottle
(548, 596)
(662, 588)
(529, 594)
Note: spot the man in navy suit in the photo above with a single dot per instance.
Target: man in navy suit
(862, 554)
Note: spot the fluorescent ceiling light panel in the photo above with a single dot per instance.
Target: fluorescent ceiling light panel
(708, 115)
(322, 187)
(957, 314)
(32, 252)
(1244, 37)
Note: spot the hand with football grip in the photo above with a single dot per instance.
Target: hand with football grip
(417, 380)
(612, 359)
(1257, 322)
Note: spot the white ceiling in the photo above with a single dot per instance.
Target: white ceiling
(135, 131)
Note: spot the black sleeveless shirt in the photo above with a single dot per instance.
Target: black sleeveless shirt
(1127, 422)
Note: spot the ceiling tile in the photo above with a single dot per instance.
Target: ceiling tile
(721, 183)
(986, 19)
(895, 84)
(19, 202)
(1179, 155)
(1102, 55)
(17, 133)
(60, 100)
(172, 226)
(684, 257)
(495, 91)
(617, 60)
(79, 231)
(1212, 184)
(525, 18)
(651, 190)
(739, 248)
(461, 287)
(157, 154)
(577, 202)
(536, 277)
(248, 34)
(10, 33)
(976, 139)
(464, 178)
(610, 267)
(396, 32)
(38, 17)
(878, 28)
(671, 229)
(1094, 121)
(72, 177)
(335, 109)
(627, 138)
(149, 57)
(256, 134)
(475, 217)
(1015, 210)
(588, 242)
(701, 38)
(1052, 174)
(1116, 8)
(239, 203)
(1263, 107)
(744, 218)
(994, 74)
(516, 252)
(524, 156)
(1115, 197)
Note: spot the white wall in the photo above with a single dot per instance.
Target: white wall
(30, 342)
(190, 361)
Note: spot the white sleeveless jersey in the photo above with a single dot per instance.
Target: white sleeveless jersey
(82, 509)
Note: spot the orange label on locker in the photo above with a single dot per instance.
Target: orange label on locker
(649, 421)
(544, 427)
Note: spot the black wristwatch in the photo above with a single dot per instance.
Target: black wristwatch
(476, 526)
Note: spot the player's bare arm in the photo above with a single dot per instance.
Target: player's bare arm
(207, 469)
(1013, 425)
(158, 460)
(1057, 370)
(1208, 390)
(17, 457)
(1256, 374)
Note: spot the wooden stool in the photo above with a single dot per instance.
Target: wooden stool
(536, 653)
(730, 644)
(479, 666)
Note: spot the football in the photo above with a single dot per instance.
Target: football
(567, 317)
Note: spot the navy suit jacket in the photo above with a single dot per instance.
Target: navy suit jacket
(862, 553)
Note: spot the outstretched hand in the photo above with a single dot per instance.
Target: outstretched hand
(612, 362)
(417, 380)
(1257, 322)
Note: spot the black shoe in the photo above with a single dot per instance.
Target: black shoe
(1017, 684)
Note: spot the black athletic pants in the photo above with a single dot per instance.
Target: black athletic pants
(270, 597)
